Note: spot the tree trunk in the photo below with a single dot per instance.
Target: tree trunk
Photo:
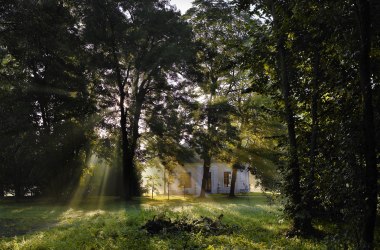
(168, 190)
(301, 217)
(299, 214)
(369, 133)
(127, 192)
(130, 182)
(18, 191)
(206, 170)
(152, 189)
(164, 181)
(133, 183)
(2, 191)
(235, 167)
(233, 181)
(314, 131)
(295, 193)
(163, 163)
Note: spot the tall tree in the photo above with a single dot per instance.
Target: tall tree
(211, 22)
(139, 44)
(167, 130)
(371, 190)
(281, 27)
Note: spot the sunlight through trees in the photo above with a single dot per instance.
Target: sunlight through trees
(108, 101)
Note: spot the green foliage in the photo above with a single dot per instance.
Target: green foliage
(46, 105)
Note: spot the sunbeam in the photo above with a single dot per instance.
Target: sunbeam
(103, 186)
(83, 188)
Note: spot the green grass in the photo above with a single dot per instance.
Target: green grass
(116, 225)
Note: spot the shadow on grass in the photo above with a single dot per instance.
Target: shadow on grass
(24, 217)
(21, 217)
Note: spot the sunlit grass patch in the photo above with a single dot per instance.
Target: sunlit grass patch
(117, 225)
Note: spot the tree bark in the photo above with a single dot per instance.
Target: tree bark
(132, 179)
(127, 192)
(130, 182)
(234, 172)
(369, 133)
(206, 170)
(233, 181)
(126, 159)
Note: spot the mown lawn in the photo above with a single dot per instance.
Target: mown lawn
(117, 225)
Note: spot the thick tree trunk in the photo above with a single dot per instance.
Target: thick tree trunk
(134, 186)
(131, 180)
(369, 133)
(235, 167)
(128, 147)
(128, 175)
(127, 192)
(233, 181)
(206, 170)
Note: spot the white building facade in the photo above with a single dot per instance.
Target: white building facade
(187, 179)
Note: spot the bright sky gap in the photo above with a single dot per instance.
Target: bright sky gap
(182, 5)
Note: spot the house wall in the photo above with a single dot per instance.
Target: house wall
(196, 179)
(242, 179)
(245, 181)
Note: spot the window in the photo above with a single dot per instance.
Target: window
(227, 179)
(186, 180)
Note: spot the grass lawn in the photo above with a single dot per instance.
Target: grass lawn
(117, 225)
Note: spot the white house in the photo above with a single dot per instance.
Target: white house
(188, 179)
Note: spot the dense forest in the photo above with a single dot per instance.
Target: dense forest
(290, 88)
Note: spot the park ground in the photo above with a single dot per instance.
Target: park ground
(257, 223)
